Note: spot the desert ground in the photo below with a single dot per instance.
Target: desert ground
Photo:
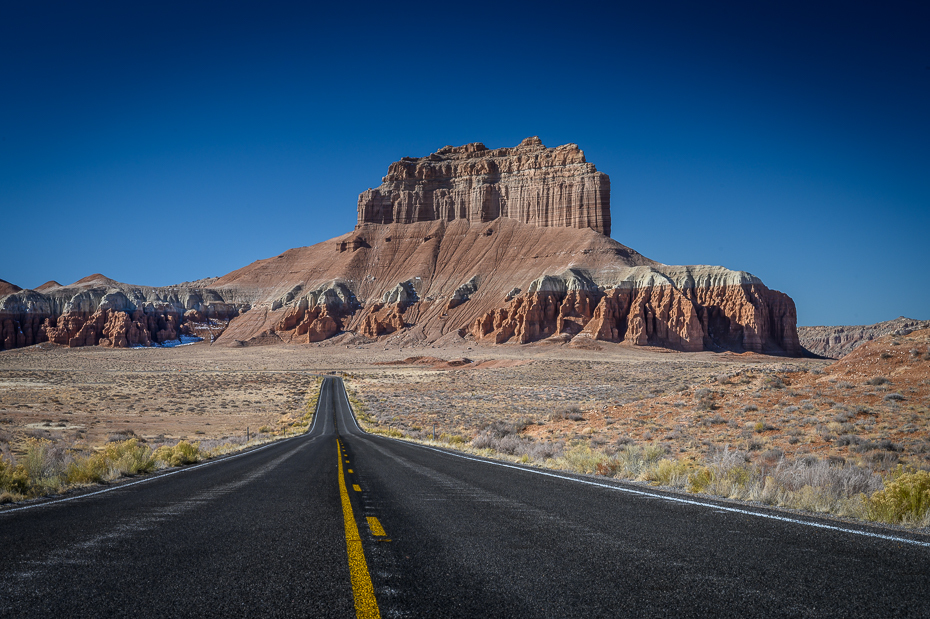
(209, 392)
(542, 403)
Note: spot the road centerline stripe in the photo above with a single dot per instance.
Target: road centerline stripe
(375, 526)
(366, 606)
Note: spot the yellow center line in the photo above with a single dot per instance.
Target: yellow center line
(366, 606)
(375, 526)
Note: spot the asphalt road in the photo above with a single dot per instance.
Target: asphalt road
(267, 533)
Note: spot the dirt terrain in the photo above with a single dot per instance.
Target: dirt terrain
(203, 392)
(856, 421)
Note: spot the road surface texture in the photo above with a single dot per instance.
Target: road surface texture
(339, 523)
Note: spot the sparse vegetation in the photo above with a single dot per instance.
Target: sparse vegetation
(906, 499)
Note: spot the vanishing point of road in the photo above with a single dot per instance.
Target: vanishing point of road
(340, 523)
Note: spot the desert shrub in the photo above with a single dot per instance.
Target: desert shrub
(893, 397)
(544, 450)
(87, 470)
(127, 458)
(845, 384)
(668, 472)
(14, 480)
(750, 408)
(632, 461)
(905, 499)
(182, 453)
(773, 382)
(886, 355)
(572, 413)
(841, 481)
(582, 459)
(705, 400)
(45, 464)
(762, 426)
(699, 479)
(119, 458)
(772, 455)
(848, 439)
(878, 380)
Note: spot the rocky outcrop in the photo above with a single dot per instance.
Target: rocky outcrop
(644, 310)
(315, 315)
(420, 282)
(539, 186)
(836, 342)
(382, 319)
(97, 310)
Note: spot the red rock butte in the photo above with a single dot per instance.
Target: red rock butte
(468, 244)
(539, 186)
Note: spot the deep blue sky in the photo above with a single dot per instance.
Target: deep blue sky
(158, 143)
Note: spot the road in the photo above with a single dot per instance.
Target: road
(339, 523)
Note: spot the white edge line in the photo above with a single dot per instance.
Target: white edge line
(163, 475)
(655, 495)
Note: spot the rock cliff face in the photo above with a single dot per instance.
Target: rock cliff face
(539, 186)
(836, 342)
(503, 246)
(509, 282)
(650, 307)
(97, 310)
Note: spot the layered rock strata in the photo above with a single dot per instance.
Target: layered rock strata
(427, 281)
(539, 186)
(839, 341)
(99, 311)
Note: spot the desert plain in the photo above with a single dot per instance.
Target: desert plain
(582, 408)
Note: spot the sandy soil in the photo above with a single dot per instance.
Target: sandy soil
(609, 396)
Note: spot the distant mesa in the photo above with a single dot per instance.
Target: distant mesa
(468, 244)
(836, 342)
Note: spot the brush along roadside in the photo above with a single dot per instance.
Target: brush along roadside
(900, 496)
(47, 467)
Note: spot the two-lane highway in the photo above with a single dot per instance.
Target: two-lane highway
(339, 523)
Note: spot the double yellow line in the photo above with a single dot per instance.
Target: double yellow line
(366, 606)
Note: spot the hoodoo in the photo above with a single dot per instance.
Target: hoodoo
(496, 246)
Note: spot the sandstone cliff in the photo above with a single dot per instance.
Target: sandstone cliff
(836, 342)
(505, 281)
(97, 310)
(539, 186)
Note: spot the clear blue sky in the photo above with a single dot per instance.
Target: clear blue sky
(157, 143)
